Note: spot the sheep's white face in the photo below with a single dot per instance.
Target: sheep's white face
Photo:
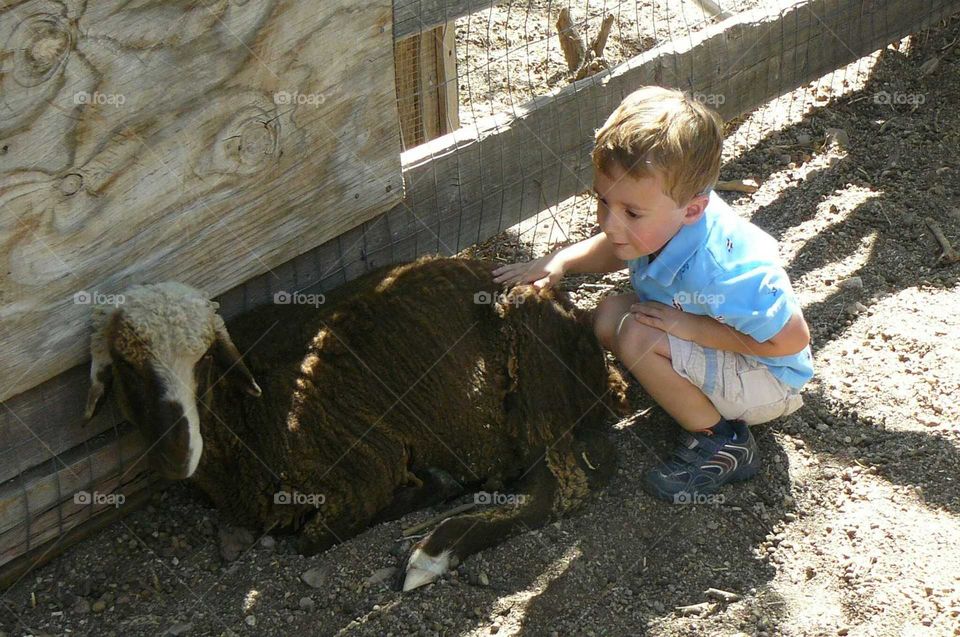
(153, 349)
(156, 391)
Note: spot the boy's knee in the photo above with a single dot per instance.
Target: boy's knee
(636, 339)
(607, 317)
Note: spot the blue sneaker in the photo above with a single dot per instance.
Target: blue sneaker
(704, 462)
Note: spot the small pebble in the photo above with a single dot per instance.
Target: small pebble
(180, 628)
(381, 575)
(853, 283)
(81, 606)
(316, 577)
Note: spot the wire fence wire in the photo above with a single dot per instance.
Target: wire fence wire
(479, 75)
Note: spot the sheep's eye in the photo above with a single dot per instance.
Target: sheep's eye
(127, 366)
(131, 378)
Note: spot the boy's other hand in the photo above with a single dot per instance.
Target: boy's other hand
(543, 272)
(665, 318)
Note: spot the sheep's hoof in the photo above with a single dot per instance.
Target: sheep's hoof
(423, 568)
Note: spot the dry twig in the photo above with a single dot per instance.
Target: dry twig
(582, 61)
(947, 255)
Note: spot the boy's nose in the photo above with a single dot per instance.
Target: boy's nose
(613, 223)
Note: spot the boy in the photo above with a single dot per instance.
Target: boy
(713, 331)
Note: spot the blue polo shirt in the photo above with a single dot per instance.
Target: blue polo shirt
(729, 269)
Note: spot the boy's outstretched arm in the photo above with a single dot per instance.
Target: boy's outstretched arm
(590, 255)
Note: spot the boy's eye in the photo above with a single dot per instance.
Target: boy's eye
(630, 213)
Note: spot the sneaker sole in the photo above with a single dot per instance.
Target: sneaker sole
(741, 474)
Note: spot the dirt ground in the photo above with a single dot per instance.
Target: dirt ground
(850, 529)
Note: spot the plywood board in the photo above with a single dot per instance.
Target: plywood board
(207, 142)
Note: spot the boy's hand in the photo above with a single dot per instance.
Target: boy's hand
(666, 318)
(543, 272)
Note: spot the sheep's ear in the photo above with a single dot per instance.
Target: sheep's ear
(100, 375)
(100, 378)
(227, 356)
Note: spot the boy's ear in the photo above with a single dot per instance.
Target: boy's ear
(695, 209)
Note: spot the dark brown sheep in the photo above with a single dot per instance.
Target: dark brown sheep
(407, 386)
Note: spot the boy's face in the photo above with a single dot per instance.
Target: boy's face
(636, 216)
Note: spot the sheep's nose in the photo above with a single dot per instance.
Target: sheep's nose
(170, 467)
(169, 473)
(171, 413)
(172, 453)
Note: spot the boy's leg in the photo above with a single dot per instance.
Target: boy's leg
(715, 451)
(645, 351)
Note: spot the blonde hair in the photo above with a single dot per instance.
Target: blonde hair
(663, 130)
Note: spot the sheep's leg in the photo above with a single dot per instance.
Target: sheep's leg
(320, 532)
(557, 484)
(437, 487)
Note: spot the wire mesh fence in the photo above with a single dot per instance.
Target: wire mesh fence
(510, 60)
(497, 129)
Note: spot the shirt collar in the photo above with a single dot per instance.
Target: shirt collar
(678, 250)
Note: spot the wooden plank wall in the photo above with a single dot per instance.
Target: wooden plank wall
(467, 186)
(173, 141)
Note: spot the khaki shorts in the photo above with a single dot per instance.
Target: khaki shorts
(740, 387)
